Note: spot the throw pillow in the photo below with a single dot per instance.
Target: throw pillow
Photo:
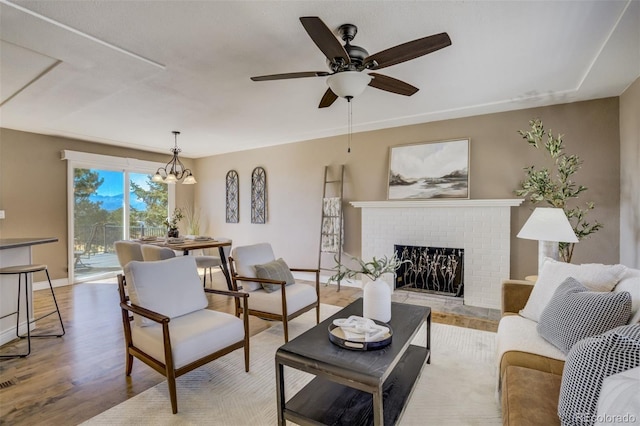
(589, 362)
(276, 270)
(575, 313)
(594, 276)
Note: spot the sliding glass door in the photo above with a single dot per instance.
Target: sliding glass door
(111, 205)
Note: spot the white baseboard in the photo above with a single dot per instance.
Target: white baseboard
(41, 285)
(10, 334)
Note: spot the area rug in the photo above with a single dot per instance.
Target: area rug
(457, 388)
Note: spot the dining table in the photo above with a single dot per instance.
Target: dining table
(186, 245)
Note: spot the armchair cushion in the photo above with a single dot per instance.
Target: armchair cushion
(193, 336)
(298, 296)
(575, 313)
(276, 270)
(594, 276)
(246, 257)
(170, 287)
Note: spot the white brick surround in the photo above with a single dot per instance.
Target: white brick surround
(481, 227)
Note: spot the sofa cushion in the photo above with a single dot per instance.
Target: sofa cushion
(631, 282)
(518, 343)
(530, 397)
(595, 277)
(589, 362)
(619, 398)
(276, 270)
(574, 313)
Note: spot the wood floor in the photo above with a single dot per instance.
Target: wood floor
(68, 380)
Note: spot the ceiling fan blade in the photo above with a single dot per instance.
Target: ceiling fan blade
(290, 75)
(408, 51)
(328, 99)
(324, 38)
(390, 84)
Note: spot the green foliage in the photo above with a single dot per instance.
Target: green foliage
(87, 213)
(558, 189)
(156, 199)
(172, 221)
(373, 269)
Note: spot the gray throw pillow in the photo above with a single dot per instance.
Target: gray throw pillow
(276, 270)
(574, 313)
(589, 362)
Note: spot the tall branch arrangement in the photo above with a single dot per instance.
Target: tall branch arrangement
(556, 188)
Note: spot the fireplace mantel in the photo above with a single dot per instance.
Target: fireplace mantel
(507, 202)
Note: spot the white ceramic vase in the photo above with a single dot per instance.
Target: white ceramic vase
(376, 301)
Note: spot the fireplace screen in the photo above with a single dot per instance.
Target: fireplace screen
(432, 269)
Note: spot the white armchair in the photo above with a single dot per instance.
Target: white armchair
(127, 251)
(274, 293)
(171, 330)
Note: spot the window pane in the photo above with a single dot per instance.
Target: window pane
(148, 206)
(98, 218)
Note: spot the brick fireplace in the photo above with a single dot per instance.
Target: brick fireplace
(481, 227)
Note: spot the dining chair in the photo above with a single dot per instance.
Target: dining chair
(151, 253)
(128, 251)
(274, 293)
(167, 324)
(209, 262)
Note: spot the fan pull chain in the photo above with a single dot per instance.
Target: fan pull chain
(350, 121)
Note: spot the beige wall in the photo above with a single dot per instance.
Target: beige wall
(35, 204)
(498, 155)
(33, 190)
(630, 176)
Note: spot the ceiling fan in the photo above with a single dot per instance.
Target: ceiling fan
(348, 62)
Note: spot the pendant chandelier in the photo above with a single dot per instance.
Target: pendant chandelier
(174, 170)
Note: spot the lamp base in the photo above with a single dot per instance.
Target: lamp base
(547, 249)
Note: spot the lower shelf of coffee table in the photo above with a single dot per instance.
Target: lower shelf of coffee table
(322, 401)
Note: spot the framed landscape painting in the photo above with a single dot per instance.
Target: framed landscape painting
(429, 170)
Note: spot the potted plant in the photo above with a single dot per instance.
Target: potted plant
(556, 188)
(172, 223)
(376, 295)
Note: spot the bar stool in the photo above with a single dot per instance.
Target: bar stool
(25, 270)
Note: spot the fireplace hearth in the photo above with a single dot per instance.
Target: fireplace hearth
(438, 270)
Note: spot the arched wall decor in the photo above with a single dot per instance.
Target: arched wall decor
(233, 197)
(259, 195)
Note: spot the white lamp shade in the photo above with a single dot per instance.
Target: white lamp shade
(157, 178)
(171, 178)
(348, 84)
(548, 224)
(189, 180)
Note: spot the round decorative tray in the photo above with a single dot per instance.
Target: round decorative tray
(337, 337)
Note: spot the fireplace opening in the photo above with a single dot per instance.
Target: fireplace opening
(438, 270)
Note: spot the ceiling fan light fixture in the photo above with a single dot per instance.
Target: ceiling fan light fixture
(348, 84)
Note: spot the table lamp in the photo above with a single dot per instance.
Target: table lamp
(549, 226)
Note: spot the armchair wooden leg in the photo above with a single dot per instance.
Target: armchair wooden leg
(171, 382)
(285, 325)
(246, 356)
(318, 314)
(129, 363)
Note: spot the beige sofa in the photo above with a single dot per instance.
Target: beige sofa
(529, 368)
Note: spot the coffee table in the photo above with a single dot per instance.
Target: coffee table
(354, 387)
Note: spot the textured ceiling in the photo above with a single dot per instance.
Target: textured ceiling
(129, 72)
